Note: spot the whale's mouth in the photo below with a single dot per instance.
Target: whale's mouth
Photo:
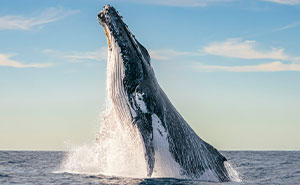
(112, 22)
(105, 19)
(107, 36)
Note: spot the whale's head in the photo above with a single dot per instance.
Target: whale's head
(135, 59)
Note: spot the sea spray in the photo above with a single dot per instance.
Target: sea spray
(233, 174)
(116, 152)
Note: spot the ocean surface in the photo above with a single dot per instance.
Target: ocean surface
(43, 167)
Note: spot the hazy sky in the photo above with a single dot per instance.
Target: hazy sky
(231, 67)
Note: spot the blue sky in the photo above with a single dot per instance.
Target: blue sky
(231, 67)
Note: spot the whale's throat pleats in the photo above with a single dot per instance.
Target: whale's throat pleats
(115, 86)
(122, 107)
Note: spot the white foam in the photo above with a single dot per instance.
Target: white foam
(233, 174)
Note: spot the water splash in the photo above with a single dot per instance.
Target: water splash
(233, 174)
(118, 151)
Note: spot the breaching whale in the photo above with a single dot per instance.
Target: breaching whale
(138, 99)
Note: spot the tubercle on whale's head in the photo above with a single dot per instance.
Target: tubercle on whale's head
(136, 59)
(114, 26)
(106, 18)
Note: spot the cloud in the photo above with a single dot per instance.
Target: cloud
(99, 54)
(296, 59)
(287, 2)
(6, 61)
(266, 67)
(181, 3)
(245, 49)
(20, 22)
(289, 26)
(237, 48)
(234, 48)
(167, 54)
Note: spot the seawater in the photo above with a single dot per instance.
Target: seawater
(45, 167)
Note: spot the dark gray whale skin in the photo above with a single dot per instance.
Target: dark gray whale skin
(194, 155)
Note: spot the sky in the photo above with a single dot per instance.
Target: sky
(231, 68)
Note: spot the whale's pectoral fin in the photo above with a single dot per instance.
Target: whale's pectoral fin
(146, 130)
(149, 154)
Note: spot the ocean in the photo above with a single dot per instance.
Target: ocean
(44, 167)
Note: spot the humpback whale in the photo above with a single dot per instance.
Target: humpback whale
(139, 101)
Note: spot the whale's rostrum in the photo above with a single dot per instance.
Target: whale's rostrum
(139, 101)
